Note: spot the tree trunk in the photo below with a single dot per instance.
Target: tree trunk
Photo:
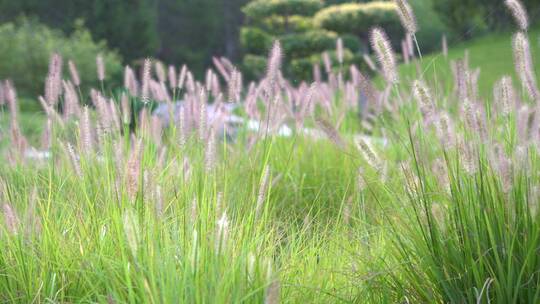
(233, 19)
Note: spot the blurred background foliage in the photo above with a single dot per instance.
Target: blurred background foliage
(26, 47)
(192, 31)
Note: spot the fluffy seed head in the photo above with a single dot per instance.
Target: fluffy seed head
(11, 219)
(31, 220)
(273, 293)
(172, 77)
(440, 170)
(221, 68)
(369, 62)
(235, 86)
(523, 63)
(505, 95)
(317, 73)
(423, 96)
(182, 76)
(533, 200)
(74, 73)
(518, 12)
(11, 99)
(383, 49)
(468, 110)
(160, 71)
(406, 15)
(71, 100)
(130, 82)
(194, 211)
(331, 132)
(327, 61)
(219, 203)
(203, 116)
(146, 80)
(369, 154)
(100, 68)
(222, 231)
(126, 109)
(459, 70)
(274, 62)
(444, 46)
(131, 230)
(181, 128)
(2, 95)
(134, 170)
(53, 82)
(467, 157)
(405, 51)
(85, 131)
(51, 92)
(412, 181)
(210, 152)
(263, 187)
(360, 180)
(46, 137)
(339, 50)
(73, 157)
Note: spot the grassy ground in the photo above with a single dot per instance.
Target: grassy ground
(492, 54)
(31, 124)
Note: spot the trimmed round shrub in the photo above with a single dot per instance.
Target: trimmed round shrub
(352, 43)
(264, 8)
(255, 40)
(301, 69)
(27, 47)
(282, 24)
(254, 66)
(359, 18)
(304, 44)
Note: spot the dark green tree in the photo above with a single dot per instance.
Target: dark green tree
(469, 18)
(192, 31)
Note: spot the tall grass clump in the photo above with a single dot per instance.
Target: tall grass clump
(121, 204)
(470, 231)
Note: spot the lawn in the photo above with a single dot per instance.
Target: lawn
(492, 54)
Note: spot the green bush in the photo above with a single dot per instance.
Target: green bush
(27, 47)
(358, 18)
(254, 66)
(287, 24)
(352, 43)
(291, 22)
(301, 69)
(264, 8)
(255, 40)
(304, 44)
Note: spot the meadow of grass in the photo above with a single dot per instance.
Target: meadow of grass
(492, 54)
(429, 194)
